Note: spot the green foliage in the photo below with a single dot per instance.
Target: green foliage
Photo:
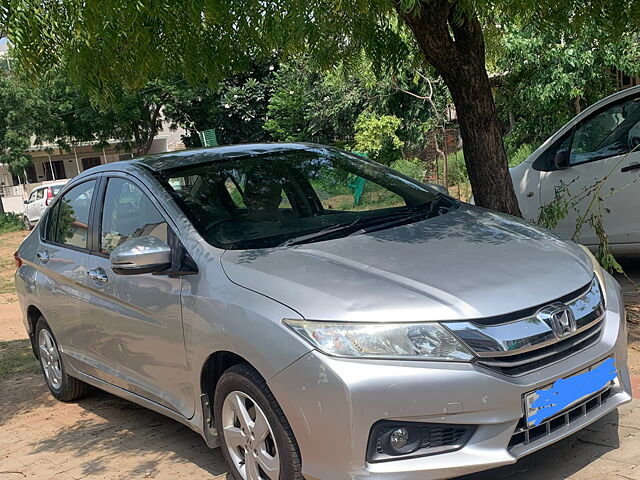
(411, 167)
(19, 114)
(551, 74)
(10, 222)
(376, 135)
(457, 169)
(16, 358)
(520, 154)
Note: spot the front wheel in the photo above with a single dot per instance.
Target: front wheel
(255, 437)
(27, 223)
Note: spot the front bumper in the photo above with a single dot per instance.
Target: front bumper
(332, 403)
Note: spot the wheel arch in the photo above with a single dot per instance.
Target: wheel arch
(214, 366)
(33, 314)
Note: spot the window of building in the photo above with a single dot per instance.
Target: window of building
(90, 162)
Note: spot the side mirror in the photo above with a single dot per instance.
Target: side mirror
(26, 202)
(140, 255)
(561, 159)
(439, 188)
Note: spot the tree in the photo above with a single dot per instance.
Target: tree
(552, 76)
(18, 114)
(109, 45)
(133, 118)
(236, 107)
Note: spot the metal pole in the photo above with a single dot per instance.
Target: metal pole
(75, 154)
(104, 155)
(446, 158)
(53, 175)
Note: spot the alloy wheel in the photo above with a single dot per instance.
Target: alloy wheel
(50, 359)
(249, 438)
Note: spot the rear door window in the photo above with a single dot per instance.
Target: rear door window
(68, 222)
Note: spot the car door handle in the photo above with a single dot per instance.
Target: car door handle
(628, 168)
(98, 275)
(43, 256)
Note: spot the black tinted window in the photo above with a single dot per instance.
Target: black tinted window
(128, 213)
(68, 222)
(262, 201)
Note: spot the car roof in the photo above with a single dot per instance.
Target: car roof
(182, 158)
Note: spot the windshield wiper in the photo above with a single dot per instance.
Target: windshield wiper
(374, 223)
(410, 216)
(310, 237)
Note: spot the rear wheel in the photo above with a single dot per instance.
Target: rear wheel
(62, 386)
(255, 437)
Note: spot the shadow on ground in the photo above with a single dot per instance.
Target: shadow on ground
(101, 436)
(563, 459)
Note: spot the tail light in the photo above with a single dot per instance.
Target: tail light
(49, 196)
(17, 259)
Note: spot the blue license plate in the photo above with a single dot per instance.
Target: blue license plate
(565, 392)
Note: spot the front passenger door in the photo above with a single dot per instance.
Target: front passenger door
(606, 144)
(144, 350)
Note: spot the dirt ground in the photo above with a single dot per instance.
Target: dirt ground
(104, 437)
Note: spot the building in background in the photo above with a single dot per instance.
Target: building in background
(51, 163)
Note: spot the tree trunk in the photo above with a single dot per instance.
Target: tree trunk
(452, 41)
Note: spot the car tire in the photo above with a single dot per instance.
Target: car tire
(27, 223)
(248, 454)
(61, 385)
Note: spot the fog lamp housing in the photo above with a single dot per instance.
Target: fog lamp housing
(390, 440)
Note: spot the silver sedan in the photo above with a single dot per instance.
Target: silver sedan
(316, 314)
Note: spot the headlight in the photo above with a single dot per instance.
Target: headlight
(402, 341)
(599, 273)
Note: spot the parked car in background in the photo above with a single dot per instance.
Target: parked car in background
(241, 291)
(38, 201)
(602, 141)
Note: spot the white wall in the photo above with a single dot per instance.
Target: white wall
(13, 204)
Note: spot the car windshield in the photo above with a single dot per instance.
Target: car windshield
(297, 196)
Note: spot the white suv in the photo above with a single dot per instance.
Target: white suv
(38, 201)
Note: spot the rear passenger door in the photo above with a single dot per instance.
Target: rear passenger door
(144, 351)
(61, 259)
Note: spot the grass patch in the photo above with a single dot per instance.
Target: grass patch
(16, 358)
(7, 284)
(10, 222)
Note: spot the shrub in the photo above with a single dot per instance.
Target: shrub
(376, 136)
(10, 222)
(520, 154)
(411, 167)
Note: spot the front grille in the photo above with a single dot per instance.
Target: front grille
(524, 436)
(441, 436)
(526, 362)
(531, 339)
